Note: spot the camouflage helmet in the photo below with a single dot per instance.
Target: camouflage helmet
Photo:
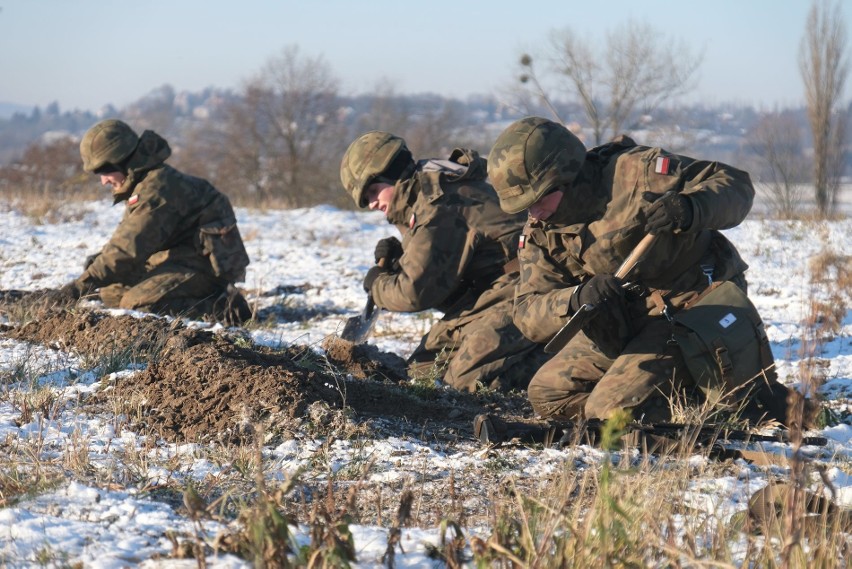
(367, 157)
(108, 142)
(531, 157)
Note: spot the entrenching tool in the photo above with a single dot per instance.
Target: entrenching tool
(357, 328)
(587, 311)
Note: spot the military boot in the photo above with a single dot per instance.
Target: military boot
(775, 401)
(231, 307)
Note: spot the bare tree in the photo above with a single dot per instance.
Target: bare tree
(530, 76)
(281, 140)
(632, 74)
(388, 111)
(48, 173)
(430, 124)
(777, 140)
(824, 67)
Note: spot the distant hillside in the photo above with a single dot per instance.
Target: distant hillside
(9, 109)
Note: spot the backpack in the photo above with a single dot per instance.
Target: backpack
(723, 342)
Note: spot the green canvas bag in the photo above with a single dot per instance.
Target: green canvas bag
(723, 340)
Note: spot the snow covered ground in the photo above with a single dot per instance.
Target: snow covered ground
(319, 256)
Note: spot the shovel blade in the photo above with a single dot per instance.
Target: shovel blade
(357, 328)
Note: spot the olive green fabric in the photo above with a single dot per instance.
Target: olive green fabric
(367, 157)
(173, 224)
(581, 382)
(531, 157)
(599, 220)
(110, 141)
(456, 242)
(170, 289)
(723, 340)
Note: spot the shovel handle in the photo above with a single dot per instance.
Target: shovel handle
(627, 265)
(371, 305)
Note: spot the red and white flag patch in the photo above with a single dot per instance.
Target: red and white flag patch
(522, 240)
(663, 165)
(412, 221)
(133, 199)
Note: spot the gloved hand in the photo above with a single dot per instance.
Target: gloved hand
(597, 290)
(70, 291)
(65, 295)
(371, 276)
(388, 248)
(669, 213)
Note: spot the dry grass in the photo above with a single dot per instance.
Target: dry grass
(628, 509)
(47, 205)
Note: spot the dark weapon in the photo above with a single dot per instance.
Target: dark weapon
(14, 295)
(490, 429)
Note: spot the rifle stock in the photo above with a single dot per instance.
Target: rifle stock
(490, 429)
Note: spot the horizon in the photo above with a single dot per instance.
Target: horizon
(83, 57)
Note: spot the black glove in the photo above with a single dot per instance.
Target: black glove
(89, 260)
(71, 291)
(668, 213)
(597, 290)
(371, 276)
(65, 295)
(610, 328)
(388, 248)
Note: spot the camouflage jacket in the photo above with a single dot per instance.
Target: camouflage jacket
(601, 218)
(456, 239)
(170, 217)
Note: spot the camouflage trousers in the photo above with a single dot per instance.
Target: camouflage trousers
(486, 350)
(580, 382)
(172, 289)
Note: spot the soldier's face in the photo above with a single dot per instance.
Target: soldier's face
(544, 208)
(114, 179)
(379, 196)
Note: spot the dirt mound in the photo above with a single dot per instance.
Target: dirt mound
(200, 386)
(96, 334)
(364, 361)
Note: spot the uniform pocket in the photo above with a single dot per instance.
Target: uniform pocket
(222, 245)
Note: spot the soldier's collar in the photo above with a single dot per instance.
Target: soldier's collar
(584, 200)
(404, 195)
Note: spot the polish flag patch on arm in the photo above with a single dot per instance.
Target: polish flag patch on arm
(663, 165)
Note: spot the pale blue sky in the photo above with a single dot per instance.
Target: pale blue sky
(87, 53)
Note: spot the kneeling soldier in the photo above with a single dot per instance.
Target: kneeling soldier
(684, 326)
(177, 250)
(457, 255)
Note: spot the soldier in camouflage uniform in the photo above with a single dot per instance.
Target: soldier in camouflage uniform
(457, 255)
(587, 211)
(177, 250)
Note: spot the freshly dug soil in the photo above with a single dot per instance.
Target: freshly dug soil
(199, 386)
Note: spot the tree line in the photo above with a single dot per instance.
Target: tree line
(277, 141)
